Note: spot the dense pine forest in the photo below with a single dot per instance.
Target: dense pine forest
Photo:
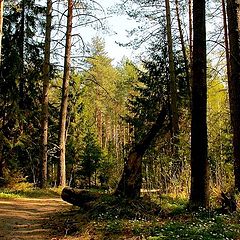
(163, 124)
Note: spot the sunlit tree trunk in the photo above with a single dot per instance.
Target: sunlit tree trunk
(233, 12)
(64, 103)
(46, 78)
(199, 196)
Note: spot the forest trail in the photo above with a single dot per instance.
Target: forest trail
(22, 219)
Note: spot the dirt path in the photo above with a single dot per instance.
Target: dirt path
(29, 218)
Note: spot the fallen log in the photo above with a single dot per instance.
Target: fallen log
(79, 197)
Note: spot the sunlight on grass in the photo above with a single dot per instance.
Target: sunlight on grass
(4, 194)
(27, 190)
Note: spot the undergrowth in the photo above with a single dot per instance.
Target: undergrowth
(114, 218)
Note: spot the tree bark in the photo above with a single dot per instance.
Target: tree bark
(199, 196)
(2, 162)
(64, 103)
(226, 41)
(233, 11)
(99, 121)
(186, 62)
(190, 40)
(46, 79)
(131, 180)
(21, 54)
(173, 93)
(1, 28)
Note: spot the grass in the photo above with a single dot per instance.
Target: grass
(216, 227)
(111, 218)
(26, 190)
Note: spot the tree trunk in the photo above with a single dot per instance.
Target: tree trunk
(21, 54)
(173, 92)
(64, 103)
(186, 62)
(233, 11)
(99, 121)
(1, 28)
(226, 40)
(190, 40)
(2, 162)
(131, 180)
(199, 196)
(46, 78)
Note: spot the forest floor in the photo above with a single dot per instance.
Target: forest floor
(35, 215)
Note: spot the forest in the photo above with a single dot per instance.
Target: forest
(156, 135)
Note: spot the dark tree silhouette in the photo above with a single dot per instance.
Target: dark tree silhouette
(234, 82)
(199, 163)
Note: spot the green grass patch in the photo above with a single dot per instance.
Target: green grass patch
(7, 195)
(216, 227)
(25, 190)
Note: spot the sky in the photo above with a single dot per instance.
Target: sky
(116, 25)
(117, 33)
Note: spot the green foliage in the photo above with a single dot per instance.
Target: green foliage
(98, 137)
(219, 134)
(20, 94)
(27, 190)
(91, 157)
(97, 103)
